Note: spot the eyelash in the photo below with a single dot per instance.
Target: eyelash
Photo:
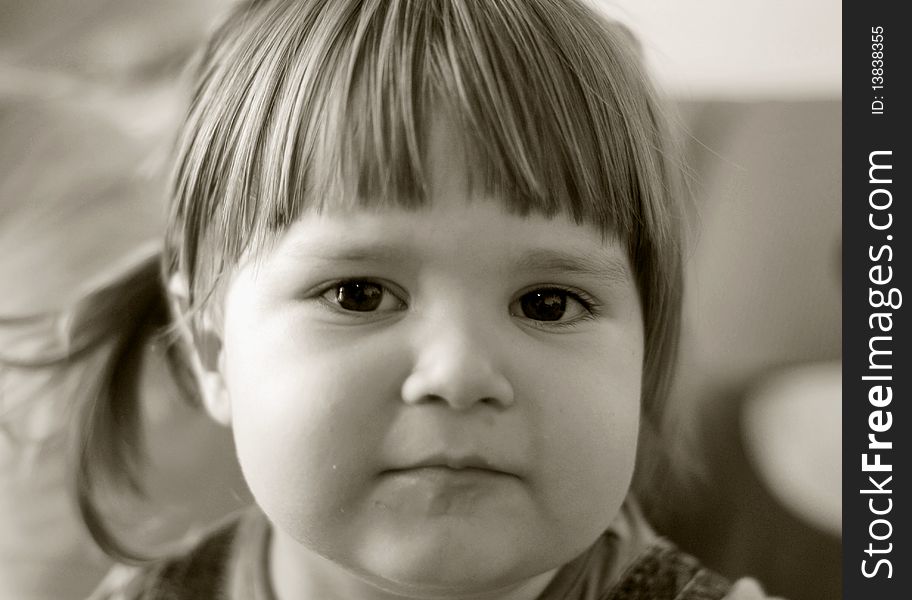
(335, 285)
(590, 305)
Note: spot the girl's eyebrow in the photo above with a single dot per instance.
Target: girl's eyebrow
(609, 268)
(347, 253)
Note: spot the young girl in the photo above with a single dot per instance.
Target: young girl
(423, 258)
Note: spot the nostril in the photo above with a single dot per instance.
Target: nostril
(434, 398)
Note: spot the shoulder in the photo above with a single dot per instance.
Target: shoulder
(200, 572)
(663, 571)
(653, 567)
(630, 562)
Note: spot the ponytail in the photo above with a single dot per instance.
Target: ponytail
(103, 336)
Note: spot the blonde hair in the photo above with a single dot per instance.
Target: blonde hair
(304, 104)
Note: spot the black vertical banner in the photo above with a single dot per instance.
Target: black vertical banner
(877, 365)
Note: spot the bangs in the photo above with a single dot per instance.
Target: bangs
(314, 105)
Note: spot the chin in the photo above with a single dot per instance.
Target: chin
(450, 558)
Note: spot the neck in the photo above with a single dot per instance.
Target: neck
(297, 573)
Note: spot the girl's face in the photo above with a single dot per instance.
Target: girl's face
(441, 399)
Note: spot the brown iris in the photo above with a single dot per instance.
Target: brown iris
(360, 296)
(544, 305)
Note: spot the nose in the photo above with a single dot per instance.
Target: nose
(456, 365)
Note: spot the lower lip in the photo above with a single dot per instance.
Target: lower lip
(439, 491)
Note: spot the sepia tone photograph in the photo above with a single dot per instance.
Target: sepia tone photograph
(420, 299)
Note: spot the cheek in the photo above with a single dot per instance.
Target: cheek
(588, 428)
(306, 424)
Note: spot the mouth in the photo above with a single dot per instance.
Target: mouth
(442, 481)
(456, 466)
(448, 488)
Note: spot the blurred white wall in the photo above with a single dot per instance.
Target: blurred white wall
(739, 49)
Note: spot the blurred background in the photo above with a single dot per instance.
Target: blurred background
(89, 97)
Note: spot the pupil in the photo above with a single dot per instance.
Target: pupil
(545, 305)
(359, 296)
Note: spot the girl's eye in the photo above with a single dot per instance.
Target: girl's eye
(551, 305)
(362, 296)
